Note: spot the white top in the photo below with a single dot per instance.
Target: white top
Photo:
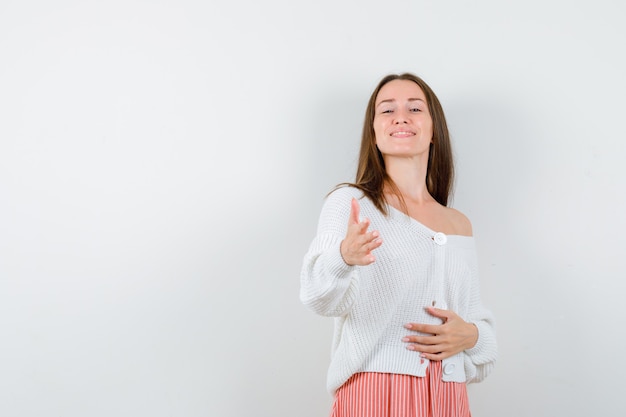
(414, 267)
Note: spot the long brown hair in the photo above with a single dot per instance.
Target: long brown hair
(371, 175)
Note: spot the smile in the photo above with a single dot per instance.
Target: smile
(402, 134)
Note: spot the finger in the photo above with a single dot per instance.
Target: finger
(439, 356)
(365, 239)
(354, 211)
(424, 328)
(439, 313)
(433, 346)
(375, 243)
(424, 340)
(425, 349)
(362, 227)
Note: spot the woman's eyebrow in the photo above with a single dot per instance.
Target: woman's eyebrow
(389, 100)
(392, 100)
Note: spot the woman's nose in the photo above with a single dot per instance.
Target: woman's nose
(401, 117)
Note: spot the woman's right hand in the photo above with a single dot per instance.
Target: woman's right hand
(357, 247)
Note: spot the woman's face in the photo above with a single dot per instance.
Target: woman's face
(402, 123)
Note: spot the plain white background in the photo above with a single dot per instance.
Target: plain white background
(163, 163)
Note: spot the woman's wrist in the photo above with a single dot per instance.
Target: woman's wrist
(473, 339)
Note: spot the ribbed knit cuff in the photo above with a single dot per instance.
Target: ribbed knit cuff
(481, 343)
(335, 264)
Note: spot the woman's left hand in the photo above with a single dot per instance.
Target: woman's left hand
(442, 340)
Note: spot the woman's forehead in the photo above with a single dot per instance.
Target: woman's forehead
(400, 89)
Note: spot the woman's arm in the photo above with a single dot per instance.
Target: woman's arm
(330, 276)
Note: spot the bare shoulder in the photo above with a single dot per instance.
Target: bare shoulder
(459, 222)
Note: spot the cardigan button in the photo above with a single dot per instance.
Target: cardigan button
(440, 238)
(449, 368)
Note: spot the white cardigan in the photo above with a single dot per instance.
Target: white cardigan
(414, 267)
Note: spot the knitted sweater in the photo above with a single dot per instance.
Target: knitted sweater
(414, 268)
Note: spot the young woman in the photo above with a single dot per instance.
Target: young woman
(397, 269)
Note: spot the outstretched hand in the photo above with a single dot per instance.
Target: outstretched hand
(357, 247)
(442, 340)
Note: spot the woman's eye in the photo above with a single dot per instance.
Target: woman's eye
(387, 111)
(415, 110)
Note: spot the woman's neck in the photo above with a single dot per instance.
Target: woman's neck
(409, 176)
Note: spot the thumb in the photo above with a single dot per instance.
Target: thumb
(354, 211)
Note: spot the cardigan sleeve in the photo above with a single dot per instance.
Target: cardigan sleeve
(329, 286)
(480, 359)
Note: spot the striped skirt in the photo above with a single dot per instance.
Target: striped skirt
(371, 394)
